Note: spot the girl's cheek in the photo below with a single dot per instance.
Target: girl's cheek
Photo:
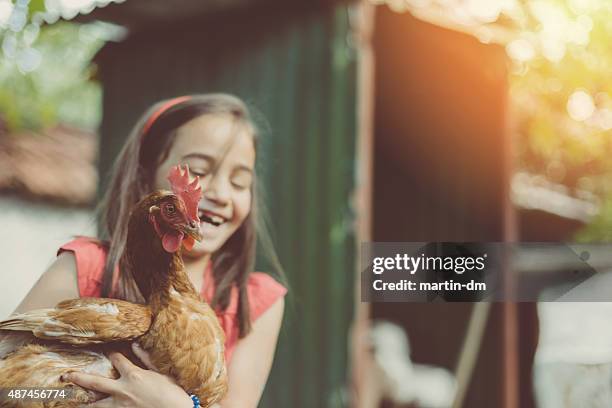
(243, 206)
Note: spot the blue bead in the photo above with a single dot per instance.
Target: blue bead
(196, 401)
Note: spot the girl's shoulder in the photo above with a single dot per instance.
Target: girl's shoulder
(90, 256)
(263, 291)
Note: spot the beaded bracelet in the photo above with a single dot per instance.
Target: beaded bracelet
(196, 401)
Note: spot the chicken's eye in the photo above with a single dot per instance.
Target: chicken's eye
(170, 209)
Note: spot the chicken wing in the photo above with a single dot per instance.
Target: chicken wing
(84, 321)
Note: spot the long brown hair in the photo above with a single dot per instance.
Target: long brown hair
(133, 176)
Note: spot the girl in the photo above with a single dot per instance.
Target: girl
(215, 136)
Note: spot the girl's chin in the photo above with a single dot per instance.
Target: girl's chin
(199, 250)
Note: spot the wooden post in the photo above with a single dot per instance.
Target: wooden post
(510, 315)
(364, 392)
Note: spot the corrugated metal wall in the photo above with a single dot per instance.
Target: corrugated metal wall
(298, 68)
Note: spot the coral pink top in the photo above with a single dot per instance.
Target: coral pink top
(263, 290)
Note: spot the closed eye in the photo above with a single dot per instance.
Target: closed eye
(199, 173)
(239, 186)
(242, 179)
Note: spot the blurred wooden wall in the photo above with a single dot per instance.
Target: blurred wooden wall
(441, 173)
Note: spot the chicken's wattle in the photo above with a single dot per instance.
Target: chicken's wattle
(171, 241)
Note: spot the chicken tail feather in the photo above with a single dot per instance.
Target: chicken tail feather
(27, 321)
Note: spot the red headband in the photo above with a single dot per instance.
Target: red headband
(163, 108)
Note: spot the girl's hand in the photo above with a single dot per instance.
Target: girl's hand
(135, 388)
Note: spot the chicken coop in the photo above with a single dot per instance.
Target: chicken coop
(295, 64)
(446, 178)
(443, 154)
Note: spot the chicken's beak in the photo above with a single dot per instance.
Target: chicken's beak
(193, 230)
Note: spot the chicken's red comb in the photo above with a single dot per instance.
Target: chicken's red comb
(189, 192)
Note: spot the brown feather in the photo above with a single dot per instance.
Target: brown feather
(42, 366)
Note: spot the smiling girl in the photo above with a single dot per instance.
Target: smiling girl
(215, 136)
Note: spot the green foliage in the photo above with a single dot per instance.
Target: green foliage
(60, 88)
(35, 6)
(555, 137)
(600, 228)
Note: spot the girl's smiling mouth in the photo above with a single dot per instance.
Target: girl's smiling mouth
(211, 217)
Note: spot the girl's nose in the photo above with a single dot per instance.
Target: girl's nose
(216, 189)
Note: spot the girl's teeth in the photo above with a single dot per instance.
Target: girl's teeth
(215, 219)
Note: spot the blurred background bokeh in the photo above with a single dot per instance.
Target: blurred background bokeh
(397, 120)
(49, 114)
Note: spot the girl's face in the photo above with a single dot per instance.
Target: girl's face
(208, 142)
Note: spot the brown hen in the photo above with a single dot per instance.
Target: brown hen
(179, 330)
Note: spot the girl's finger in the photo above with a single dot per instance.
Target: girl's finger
(103, 403)
(122, 364)
(92, 382)
(143, 356)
